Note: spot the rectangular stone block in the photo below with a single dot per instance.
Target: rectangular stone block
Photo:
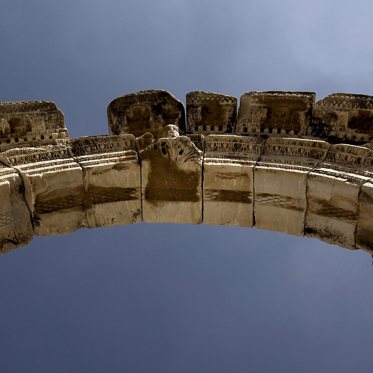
(280, 183)
(171, 170)
(15, 220)
(228, 179)
(364, 232)
(112, 180)
(30, 123)
(333, 194)
(53, 187)
(145, 111)
(283, 113)
(344, 116)
(332, 209)
(280, 199)
(210, 113)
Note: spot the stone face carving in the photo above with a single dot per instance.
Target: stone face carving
(111, 174)
(171, 171)
(275, 113)
(280, 182)
(31, 123)
(344, 117)
(275, 173)
(209, 113)
(145, 111)
(228, 179)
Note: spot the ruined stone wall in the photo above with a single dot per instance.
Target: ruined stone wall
(281, 161)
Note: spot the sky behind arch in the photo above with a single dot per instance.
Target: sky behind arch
(166, 298)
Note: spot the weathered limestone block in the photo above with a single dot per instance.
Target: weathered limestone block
(275, 113)
(344, 117)
(210, 113)
(228, 174)
(145, 111)
(30, 123)
(364, 232)
(280, 183)
(53, 187)
(171, 170)
(112, 179)
(15, 219)
(333, 193)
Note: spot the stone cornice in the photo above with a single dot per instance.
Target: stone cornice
(281, 162)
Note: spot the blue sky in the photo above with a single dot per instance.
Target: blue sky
(169, 298)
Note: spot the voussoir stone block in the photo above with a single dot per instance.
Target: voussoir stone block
(53, 183)
(210, 113)
(364, 232)
(228, 174)
(15, 219)
(333, 195)
(280, 183)
(145, 111)
(275, 113)
(112, 179)
(171, 170)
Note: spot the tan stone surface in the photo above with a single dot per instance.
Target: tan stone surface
(145, 111)
(344, 117)
(275, 113)
(364, 231)
(228, 173)
(280, 183)
(198, 140)
(209, 113)
(112, 180)
(171, 172)
(53, 187)
(277, 173)
(332, 194)
(15, 220)
(30, 123)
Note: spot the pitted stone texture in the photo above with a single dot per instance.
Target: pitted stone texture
(332, 194)
(198, 140)
(145, 111)
(112, 185)
(344, 117)
(15, 219)
(280, 183)
(53, 187)
(228, 179)
(30, 123)
(364, 232)
(275, 113)
(210, 113)
(172, 181)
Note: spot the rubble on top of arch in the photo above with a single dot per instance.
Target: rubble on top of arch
(30, 123)
(338, 118)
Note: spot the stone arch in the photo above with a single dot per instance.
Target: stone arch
(305, 186)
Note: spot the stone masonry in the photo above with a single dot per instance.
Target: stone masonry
(280, 161)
